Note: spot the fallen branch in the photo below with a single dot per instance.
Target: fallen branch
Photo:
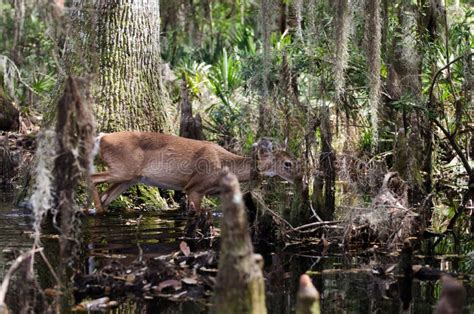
(317, 224)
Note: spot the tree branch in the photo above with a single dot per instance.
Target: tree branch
(455, 146)
(448, 135)
(430, 93)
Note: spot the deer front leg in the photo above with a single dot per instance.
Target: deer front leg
(198, 218)
(114, 191)
(194, 201)
(96, 199)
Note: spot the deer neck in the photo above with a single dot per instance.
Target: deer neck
(240, 166)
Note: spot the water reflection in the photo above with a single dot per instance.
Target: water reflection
(345, 281)
(15, 230)
(131, 236)
(348, 285)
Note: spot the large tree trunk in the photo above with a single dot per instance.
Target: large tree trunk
(412, 149)
(129, 94)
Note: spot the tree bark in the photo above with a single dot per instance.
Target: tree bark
(15, 50)
(412, 149)
(190, 127)
(325, 179)
(9, 114)
(130, 94)
(75, 129)
(373, 33)
(265, 110)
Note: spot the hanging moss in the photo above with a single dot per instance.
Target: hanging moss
(373, 36)
(342, 21)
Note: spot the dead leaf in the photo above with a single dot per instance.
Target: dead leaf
(391, 268)
(50, 292)
(416, 268)
(325, 241)
(175, 284)
(93, 305)
(183, 246)
(130, 278)
(112, 304)
(177, 296)
(189, 281)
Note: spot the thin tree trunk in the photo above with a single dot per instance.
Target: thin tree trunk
(264, 121)
(190, 127)
(373, 33)
(343, 21)
(412, 149)
(19, 6)
(325, 179)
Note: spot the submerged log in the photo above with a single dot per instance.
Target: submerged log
(308, 297)
(405, 272)
(239, 287)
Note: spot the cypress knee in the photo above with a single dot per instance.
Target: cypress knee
(239, 287)
(453, 296)
(308, 297)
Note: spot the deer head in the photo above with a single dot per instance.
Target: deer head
(275, 162)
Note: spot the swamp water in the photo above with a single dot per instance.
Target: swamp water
(344, 279)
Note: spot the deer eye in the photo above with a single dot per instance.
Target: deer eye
(287, 164)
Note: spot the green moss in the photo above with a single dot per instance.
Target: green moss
(151, 195)
(121, 203)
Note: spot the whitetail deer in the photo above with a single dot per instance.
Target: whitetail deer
(178, 163)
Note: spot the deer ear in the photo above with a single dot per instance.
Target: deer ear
(264, 145)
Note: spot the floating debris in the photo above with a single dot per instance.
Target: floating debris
(183, 276)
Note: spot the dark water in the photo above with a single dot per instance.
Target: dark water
(344, 279)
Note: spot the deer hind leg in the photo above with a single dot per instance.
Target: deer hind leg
(114, 191)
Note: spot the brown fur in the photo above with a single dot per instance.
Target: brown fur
(177, 163)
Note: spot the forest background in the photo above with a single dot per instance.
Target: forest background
(356, 89)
